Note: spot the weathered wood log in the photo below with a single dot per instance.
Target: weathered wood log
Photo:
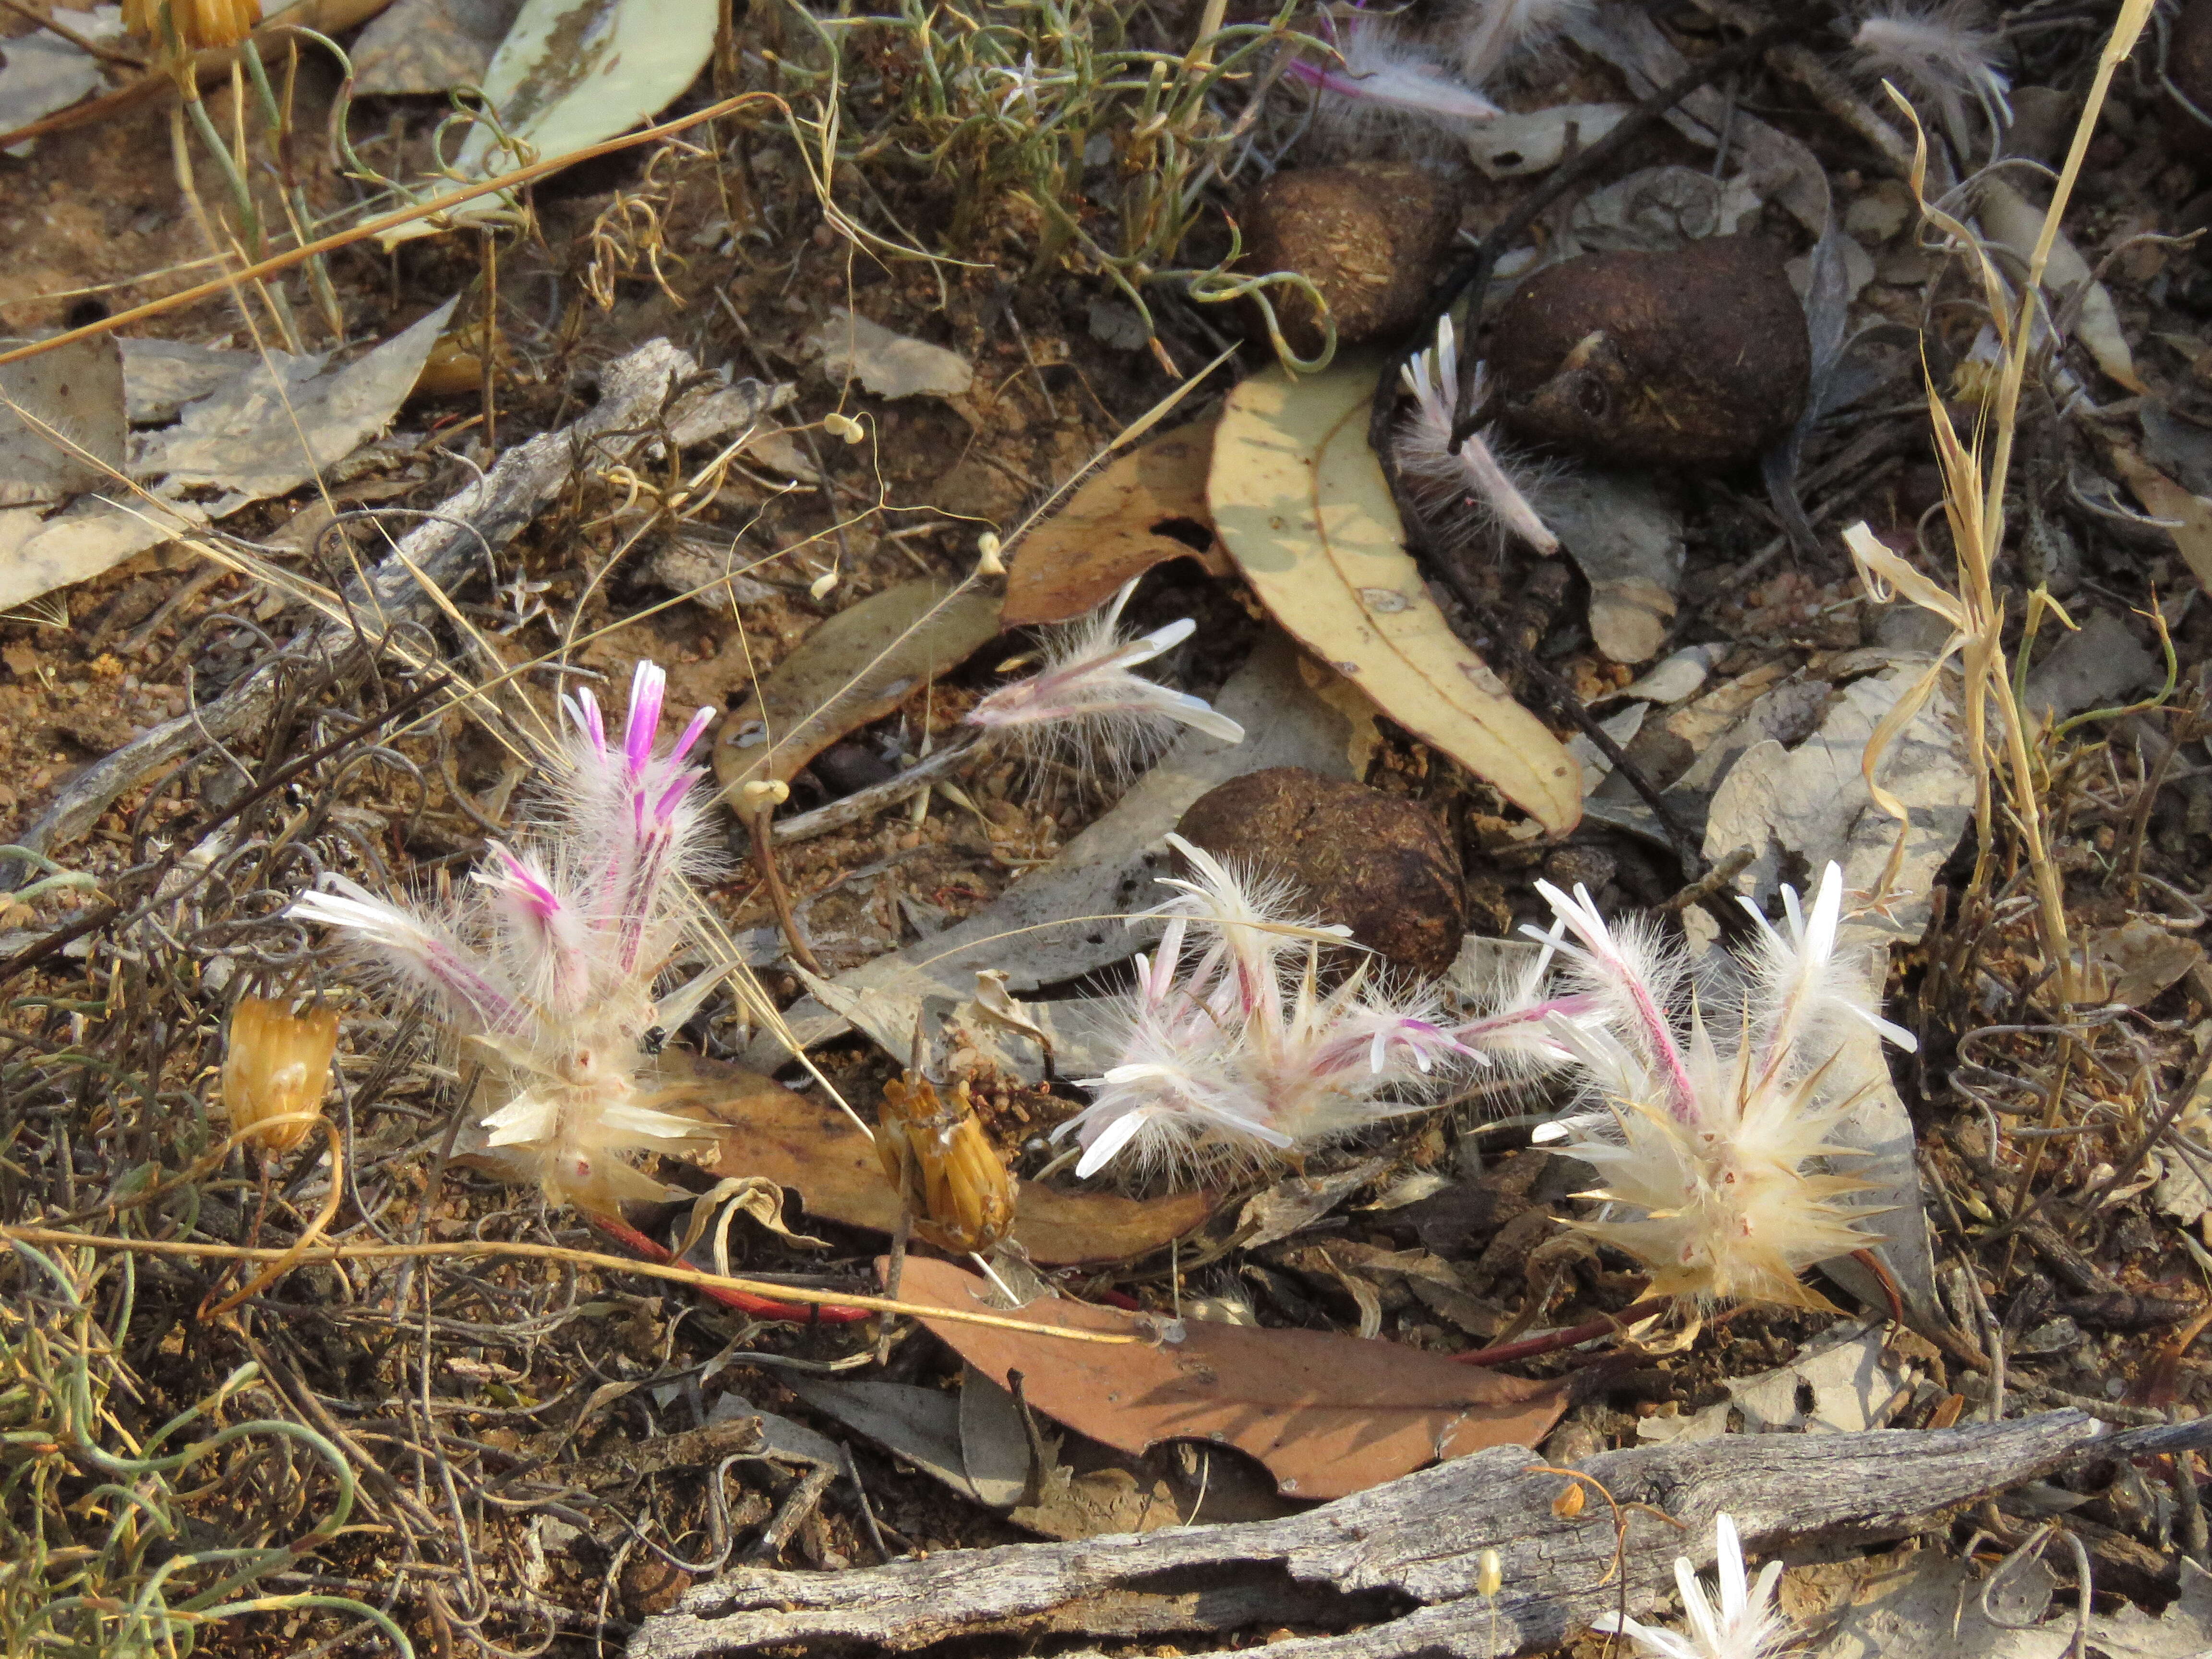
(1390, 1572)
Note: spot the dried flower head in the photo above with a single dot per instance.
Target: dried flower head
(1496, 32)
(1234, 1055)
(546, 969)
(1717, 1144)
(1944, 54)
(1086, 705)
(1746, 1625)
(1383, 74)
(198, 24)
(934, 1153)
(276, 1068)
(1485, 481)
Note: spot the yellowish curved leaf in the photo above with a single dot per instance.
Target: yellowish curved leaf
(1301, 503)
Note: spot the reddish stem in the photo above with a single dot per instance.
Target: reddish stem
(753, 1307)
(1552, 1341)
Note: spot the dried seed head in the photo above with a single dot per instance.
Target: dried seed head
(276, 1068)
(198, 24)
(1489, 1573)
(934, 1153)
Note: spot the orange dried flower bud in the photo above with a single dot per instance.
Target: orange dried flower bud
(199, 24)
(934, 1152)
(277, 1067)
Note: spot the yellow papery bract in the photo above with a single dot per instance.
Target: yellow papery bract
(276, 1069)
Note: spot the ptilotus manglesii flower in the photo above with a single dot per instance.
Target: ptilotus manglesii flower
(1086, 706)
(1944, 54)
(1492, 33)
(1745, 1624)
(545, 968)
(1485, 483)
(1717, 1144)
(1234, 1055)
(1384, 76)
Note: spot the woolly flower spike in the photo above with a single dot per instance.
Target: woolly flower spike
(1746, 1625)
(1944, 54)
(547, 968)
(1234, 1056)
(1086, 703)
(1498, 30)
(1481, 474)
(1713, 1145)
(1384, 74)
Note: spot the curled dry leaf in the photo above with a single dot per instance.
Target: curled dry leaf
(1301, 503)
(856, 667)
(768, 1131)
(1328, 1415)
(1146, 507)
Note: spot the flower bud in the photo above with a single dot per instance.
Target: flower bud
(950, 1181)
(277, 1067)
(199, 24)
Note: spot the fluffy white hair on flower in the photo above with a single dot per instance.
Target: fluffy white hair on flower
(1720, 1152)
(1946, 54)
(1740, 1620)
(545, 967)
(1385, 76)
(1493, 32)
(1485, 476)
(1234, 1055)
(1087, 705)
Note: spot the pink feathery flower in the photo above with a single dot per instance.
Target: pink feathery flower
(1747, 1624)
(1945, 53)
(546, 967)
(1087, 704)
(1384, 74)
(1714, 1151)
(1481, 476)
(1497, 31)
(1235, 1057)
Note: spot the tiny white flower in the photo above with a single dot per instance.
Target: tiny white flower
(1745, 1624)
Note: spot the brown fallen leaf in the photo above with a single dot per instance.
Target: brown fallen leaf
(1146, 508)
(2189, 514)
(1328, 1415)
(855, 668)
(810, 1146)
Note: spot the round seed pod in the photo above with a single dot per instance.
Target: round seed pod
(1378, 864)
(1369, 236)
(1696, 358)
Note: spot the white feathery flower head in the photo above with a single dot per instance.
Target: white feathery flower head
(1945, 53)
(1384, 73)
(1498, 31)
(1716, 1149)
(544, 968)
(1087, 704)
(1746, 1624)
(1234, 1055)
(1481, 476)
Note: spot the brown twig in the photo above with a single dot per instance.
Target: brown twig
(779, 895)
(1573, 1336)
(104, 53)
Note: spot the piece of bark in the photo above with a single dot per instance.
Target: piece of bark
(634, 393)
(1394, 1569)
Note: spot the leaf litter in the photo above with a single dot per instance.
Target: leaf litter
(1755, 715)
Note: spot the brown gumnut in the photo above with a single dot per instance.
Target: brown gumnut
(1371, 236)
(1378, 864)
(1696, 358)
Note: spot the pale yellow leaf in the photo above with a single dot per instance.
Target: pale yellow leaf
(2189, 516)
(1300, 502)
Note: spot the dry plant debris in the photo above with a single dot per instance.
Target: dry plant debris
(1727, 486)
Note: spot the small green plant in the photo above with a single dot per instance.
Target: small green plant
(1060, 111)
(101, 1551)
